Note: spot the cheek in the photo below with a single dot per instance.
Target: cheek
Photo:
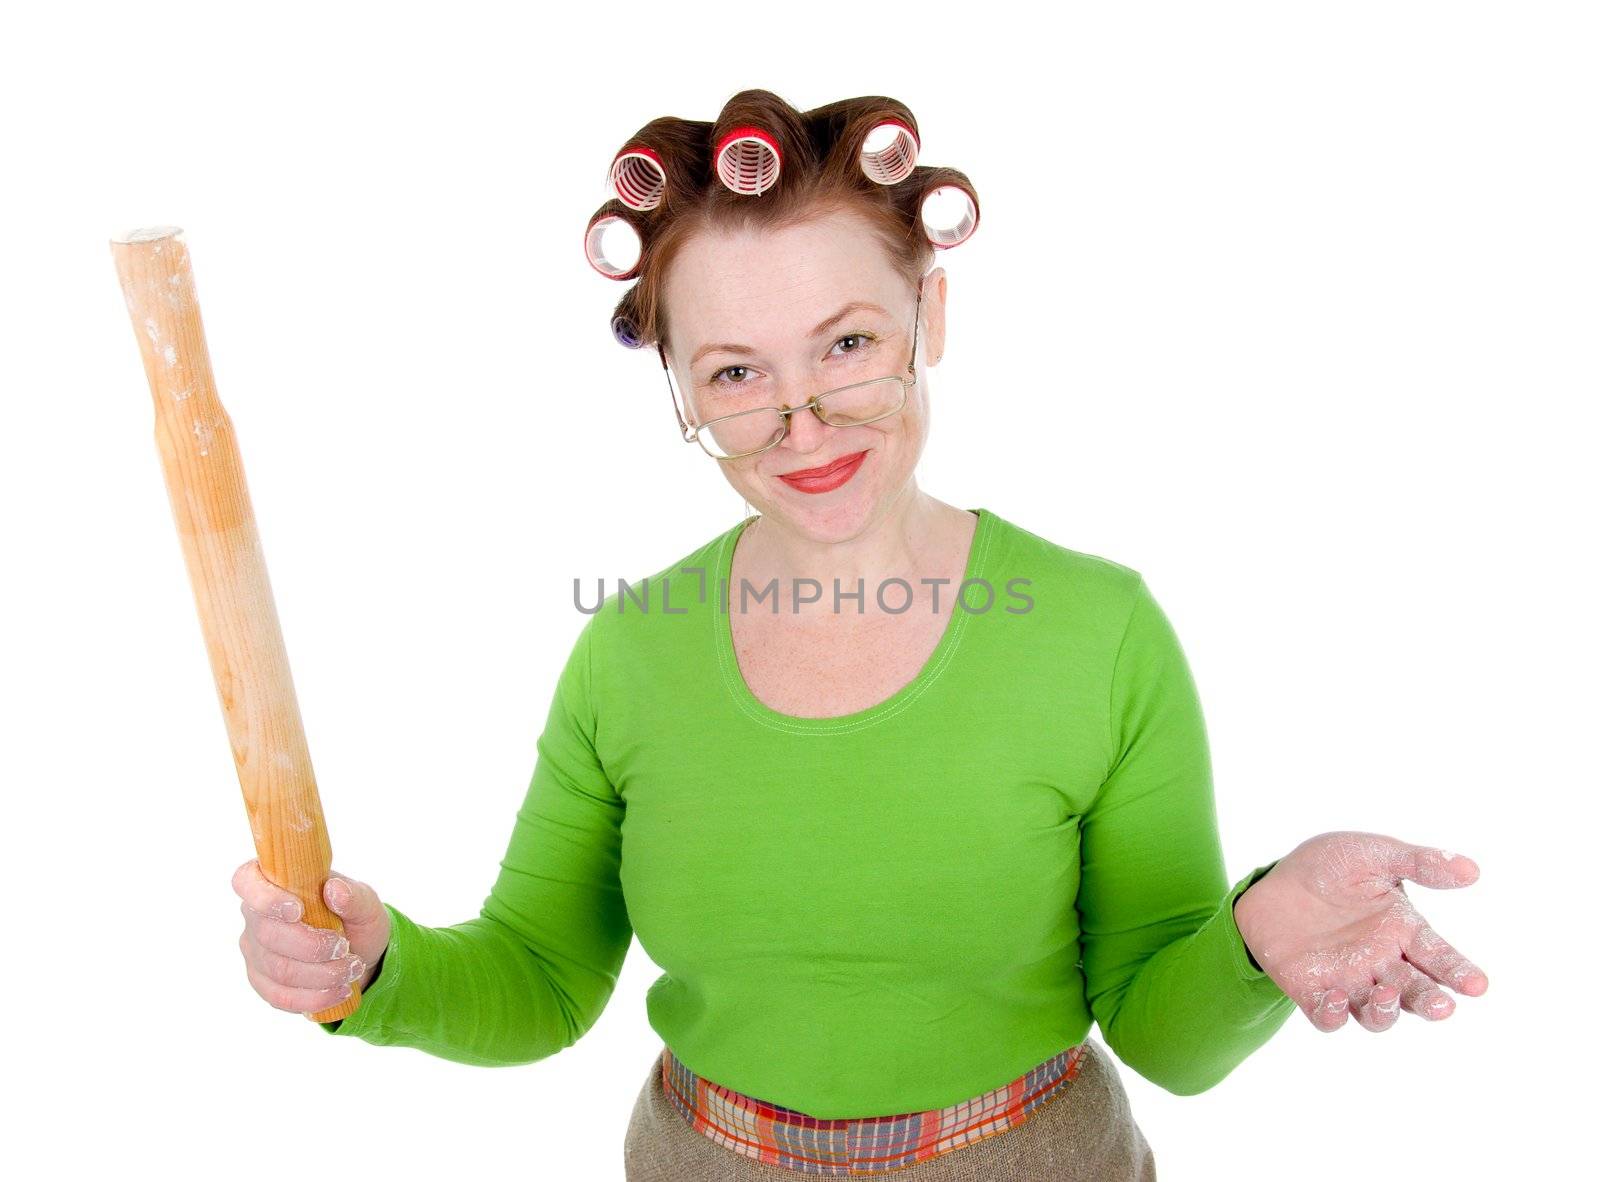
(909, 431)
(898, 451)
(745, 475)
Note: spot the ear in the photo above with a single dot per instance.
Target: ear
(934, 287)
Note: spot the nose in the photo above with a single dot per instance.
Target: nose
(807, 431)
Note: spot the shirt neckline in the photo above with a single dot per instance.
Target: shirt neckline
(757, 710)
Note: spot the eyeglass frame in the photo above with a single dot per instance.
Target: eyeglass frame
(906, 384)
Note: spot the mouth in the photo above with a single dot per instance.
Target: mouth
(826, 478)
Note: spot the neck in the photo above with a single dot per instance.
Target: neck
(917, 536)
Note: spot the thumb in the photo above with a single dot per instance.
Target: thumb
(352, 901)
(365, 920)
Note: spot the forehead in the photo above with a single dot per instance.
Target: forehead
(769, 287)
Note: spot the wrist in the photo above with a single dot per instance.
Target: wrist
(371, 975)
(1239, 923)
(1244, 920)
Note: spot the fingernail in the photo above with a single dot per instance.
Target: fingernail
(338, 893)
(357, 967)
(289, 910)
(341, 947)
(347, 994)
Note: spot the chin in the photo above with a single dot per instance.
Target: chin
(833, 516)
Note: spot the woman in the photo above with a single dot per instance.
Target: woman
(901, 796)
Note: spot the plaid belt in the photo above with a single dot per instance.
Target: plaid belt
(868, 1145)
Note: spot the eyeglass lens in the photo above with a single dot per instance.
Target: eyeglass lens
(847, 407)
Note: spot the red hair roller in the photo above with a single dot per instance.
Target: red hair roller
(748, 160)
(638, 177)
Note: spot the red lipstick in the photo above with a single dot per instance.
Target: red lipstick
(826, 478)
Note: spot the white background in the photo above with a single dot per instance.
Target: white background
(1291, 307)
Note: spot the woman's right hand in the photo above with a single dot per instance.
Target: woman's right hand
(295, 966)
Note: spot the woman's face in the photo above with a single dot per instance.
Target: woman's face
(777, 295)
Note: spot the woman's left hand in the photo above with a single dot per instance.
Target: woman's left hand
(1332, 925)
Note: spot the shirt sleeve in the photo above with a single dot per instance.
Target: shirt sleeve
(1168, 977)
(531, 974)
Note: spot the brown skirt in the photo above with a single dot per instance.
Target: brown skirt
(1086, 1130)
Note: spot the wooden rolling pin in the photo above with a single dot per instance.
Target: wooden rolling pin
(211, 506)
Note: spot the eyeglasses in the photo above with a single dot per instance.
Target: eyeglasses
(747, 432)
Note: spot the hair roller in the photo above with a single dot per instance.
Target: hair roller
(638, 177)
(872, 136)
(944, 230)
(889, 152)
(675, 179)
(611, 218)
(626, 332)
(747, 154)
(943, 203)
(665, 157)
(626, 320)
(748, 160)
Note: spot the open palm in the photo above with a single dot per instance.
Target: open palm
(1332, 925)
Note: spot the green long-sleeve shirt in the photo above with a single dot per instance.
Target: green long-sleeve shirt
(888, 911)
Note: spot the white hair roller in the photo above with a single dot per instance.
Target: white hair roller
(611, 225)
(949, 215)
(889, 152)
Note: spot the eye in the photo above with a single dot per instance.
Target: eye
(716, 378)
(866, 339)
(856, 336)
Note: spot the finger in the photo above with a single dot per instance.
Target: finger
(1408, 985)
(1330, 1011)
(1364, 1008)
(1377, 1007)
(1420, 994)
(1396, 859)
(262, 896)
(1435, 956)
(302, 974)
(292, 999)
(352, 901)
(1434, 867)
(1360, 981)
(298, 941)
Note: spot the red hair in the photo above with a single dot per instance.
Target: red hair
(681, 177)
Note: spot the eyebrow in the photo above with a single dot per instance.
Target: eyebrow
(852, 307)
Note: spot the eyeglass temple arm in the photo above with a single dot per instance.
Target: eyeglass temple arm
(916, 334)
(683, 427)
